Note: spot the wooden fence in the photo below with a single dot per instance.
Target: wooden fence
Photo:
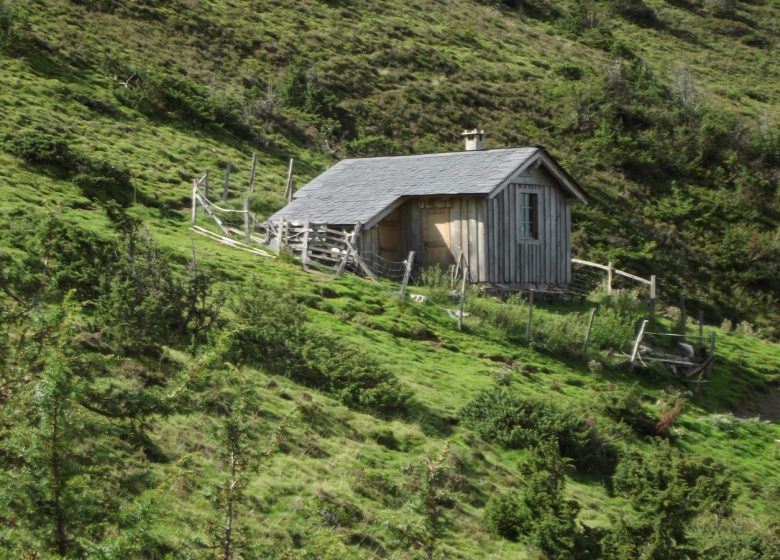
(612, 272)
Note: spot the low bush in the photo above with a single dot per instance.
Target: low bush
(515, 422)
(97, 178)
(668, 489)
(506, 514)
(625, 405)
(291, 347)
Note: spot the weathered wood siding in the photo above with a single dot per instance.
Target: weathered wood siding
(486, 231)
(545, 261)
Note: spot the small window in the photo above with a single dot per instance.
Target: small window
(528, 226)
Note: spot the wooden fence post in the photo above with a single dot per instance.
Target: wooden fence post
(530, 314)
(206, 184)
(226, 185)
(462, 305)
(194, 200)
(652, 296)
(701, 327)
(282, 232)
(252, 174)
(289, 192)
(708, 369)
(305, 248)
(407, 273)
(609, 278)
(590, 328)
(682, 325)
(247, 235)
(635, 351)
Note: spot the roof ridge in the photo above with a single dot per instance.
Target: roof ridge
(454, 152)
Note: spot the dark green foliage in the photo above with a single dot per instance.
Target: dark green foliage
(668, 489)
(97, 178)
(144, 302)
(540, 513)
(272, 331)
(736, 538)
(372, 145)
(635, 11)
(61, 440)
(505, 515)
(57, 257)
(625, 405)
(515, 422)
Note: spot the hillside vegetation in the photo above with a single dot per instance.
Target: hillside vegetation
(163, 396)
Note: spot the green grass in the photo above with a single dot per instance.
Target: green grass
(416, 75)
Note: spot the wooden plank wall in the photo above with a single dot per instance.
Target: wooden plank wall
(487, 233)
(544, 261)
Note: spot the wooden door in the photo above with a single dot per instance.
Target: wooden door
(390, 238)
(436, 237)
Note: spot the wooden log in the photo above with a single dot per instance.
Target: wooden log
(609, 278)
(407, 273)
(282, 233)
(590, 328)
(637, 342)
(530, 314)
(226, 184)
(252, 174)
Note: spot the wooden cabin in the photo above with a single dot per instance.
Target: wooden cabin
(507, 211)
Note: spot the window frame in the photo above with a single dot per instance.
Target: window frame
(527, 228)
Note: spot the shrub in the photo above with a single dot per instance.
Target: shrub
(98, 179)
(625, 405)
(514, 422)
(292, 348)
(668, 488)
(506, 514)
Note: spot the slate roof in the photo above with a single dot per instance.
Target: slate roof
(356, 190)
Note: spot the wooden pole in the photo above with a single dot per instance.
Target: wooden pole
(252, 174)
(226, 185)
(635, 351)
(247, 235)
(407, 273)
(289, 192)
(530, 314)
(701, 327)
(590, 328)
(708, 369)
(305, 249)
(609, 278)
(206, 184)
(194, 200)
(652, 296)
(282, 232)
(683, 324)
(350, 242)
(462, 300)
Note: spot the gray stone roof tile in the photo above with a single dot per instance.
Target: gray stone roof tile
(356, 190)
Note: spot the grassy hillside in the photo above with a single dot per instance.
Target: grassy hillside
(145, 397)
